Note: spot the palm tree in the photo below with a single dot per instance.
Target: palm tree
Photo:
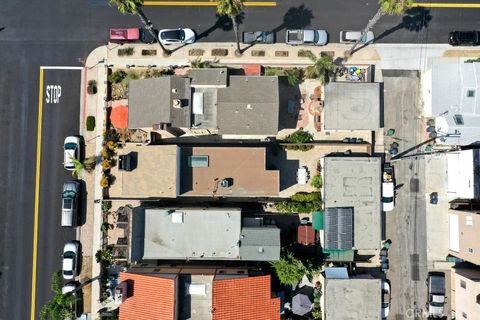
(390, 7)
(321, 68)
(134, 7)
(231, 9)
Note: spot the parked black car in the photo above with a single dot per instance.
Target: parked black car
(464, 38)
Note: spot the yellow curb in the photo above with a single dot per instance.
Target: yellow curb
(445, 5)
(207, 3)
(37, 197)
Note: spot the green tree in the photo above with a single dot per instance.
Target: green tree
(389, 7)
(321, 67)
(232, 9)
(60, 307)
(289, 269)
(316, 181)
(294, 76)
(134, 7)
(78, 167)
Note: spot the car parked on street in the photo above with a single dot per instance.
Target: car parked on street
(386, 299)
(436, 294)
(257, 37)
(69, 287)
(388, 189)
(131, 35)
(176, 36)
(353, 36)
(70, 260)
(124, 34)
(71, 151)
(70, 201)
(464, 38)
(306, 37)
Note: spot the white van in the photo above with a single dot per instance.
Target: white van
(353, 36)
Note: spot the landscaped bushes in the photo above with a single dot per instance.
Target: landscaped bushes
(125, 52)
(110, 145)
(90, 123)
(301, 203)
(92, 87)
(298, 138)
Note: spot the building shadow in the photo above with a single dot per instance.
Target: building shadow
(290, 104)
(277, 160)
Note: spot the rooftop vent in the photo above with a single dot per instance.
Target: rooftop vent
(249, 107)
(174, 90)
(261, 250)
(177, 217)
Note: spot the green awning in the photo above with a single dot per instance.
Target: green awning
(318, 220)
(338, 255)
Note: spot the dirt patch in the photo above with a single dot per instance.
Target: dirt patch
(85, 276)
(281, 53)
(219, 52)
(149, 52)
(258, 53)
(196, 52)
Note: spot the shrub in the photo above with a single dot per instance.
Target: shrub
(316, 181)
(106, 206)
(293, 207)
(106, 152)
(304, 53)
(89, 163)
(198, 63)
(125, 52)
(288, 269)
(92, 87)
(90, 123)
(307, 197)
(105, 181)
(111, 135)
(157, 73)
(106, 164)
(299, 136)
(131, 75)
(274, 71)
(117, 76)
(112, 145)
(294, 76)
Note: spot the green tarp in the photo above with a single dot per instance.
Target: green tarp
(318, 220)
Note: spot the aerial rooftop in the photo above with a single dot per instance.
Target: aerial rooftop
(352, 106)
(353, 299)
(353, 183)
(208, 234)
(204, 168)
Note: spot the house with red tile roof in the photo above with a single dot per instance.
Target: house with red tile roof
(244, 299)
(148, 297)
(208, 294)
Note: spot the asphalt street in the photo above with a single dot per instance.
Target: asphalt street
(56, 32)
(406, 224)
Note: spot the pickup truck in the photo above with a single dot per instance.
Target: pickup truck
(257, 37)
(306, 37)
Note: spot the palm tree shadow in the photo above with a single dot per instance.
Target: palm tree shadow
(296, 18)
(415, 19)
(223, 22)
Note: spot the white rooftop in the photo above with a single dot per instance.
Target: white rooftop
(208, 234)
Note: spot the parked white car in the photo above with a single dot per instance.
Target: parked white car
(353, 36)
(388, 188)
(70, 260)
(71, 150)
(386, 297)
(176, 36)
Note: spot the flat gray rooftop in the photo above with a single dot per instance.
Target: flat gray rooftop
(356, 182)
(352, 106)
(208, 234)
(353, 299)
(260, 244)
